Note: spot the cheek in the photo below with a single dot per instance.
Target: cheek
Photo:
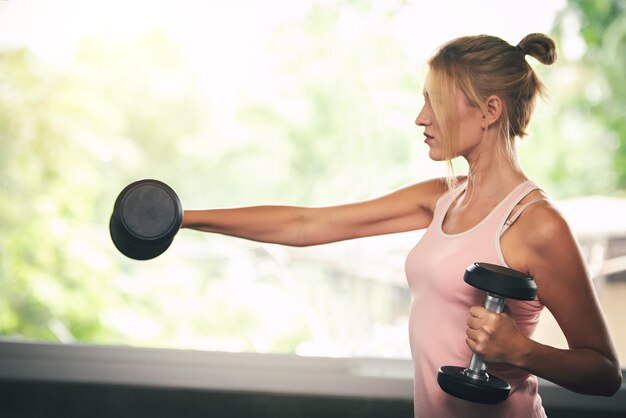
(469, 139)
(471, 131)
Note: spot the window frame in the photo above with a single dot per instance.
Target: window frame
(241, 372)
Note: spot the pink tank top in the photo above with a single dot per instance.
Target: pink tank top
(440, 307)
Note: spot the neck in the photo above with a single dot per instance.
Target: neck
(492, 172)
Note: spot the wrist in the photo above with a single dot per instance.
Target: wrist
(523, 352)
(190, 218)
(186, 219)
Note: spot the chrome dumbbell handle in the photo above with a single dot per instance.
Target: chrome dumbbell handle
(477, 368)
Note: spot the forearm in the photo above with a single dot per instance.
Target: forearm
(582, 370)
(274, 224)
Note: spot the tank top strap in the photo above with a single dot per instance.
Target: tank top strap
(513, 200)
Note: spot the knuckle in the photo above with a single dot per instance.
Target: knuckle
(488, 329)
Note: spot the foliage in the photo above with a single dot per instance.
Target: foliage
(42, 196)
(579, 142)
(127, 109)
(603, 28)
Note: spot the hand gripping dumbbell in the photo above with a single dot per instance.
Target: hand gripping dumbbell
(146, 216)
(473, 383)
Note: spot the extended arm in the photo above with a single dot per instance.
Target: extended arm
(409, 208)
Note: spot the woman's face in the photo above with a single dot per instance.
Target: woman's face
(465, 138)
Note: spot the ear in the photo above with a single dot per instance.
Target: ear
(493, 110)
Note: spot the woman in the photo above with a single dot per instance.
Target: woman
(479, 96)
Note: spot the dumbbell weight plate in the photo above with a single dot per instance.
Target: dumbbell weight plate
(146, 216)
(502, 281)
(492, 391)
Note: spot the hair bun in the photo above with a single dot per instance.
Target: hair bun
(539, 46)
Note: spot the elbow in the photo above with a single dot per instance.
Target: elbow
(615, 384)
(612, 379)
(617, 377)
(611, 384)
(605, 388)
(606, 384)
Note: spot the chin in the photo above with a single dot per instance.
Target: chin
(435, 156)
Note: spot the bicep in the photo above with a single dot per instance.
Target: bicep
(406, 209)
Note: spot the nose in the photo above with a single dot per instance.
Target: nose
(423, 118)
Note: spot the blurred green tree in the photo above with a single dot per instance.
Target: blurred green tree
(603, 29)
(43, 292)
(69, 139)
(578, 143)
(130, 108)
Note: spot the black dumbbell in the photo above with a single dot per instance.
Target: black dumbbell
(473, 383)
(146, 216)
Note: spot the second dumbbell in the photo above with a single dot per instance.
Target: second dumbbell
(473, 383)
(146, 216)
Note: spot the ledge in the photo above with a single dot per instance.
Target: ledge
(240, 372)
(265, 373)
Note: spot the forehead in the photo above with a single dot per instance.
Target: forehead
(444, 87)
(439, 83)
(440, 87)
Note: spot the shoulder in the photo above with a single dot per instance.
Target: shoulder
(543, 224)
(545, 235)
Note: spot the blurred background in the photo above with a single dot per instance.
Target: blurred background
(240, 102)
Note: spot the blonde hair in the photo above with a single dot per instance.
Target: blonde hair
(481, 66)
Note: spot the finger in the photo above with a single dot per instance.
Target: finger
(473, 345)
(474, 322)
(476, 335)
(478, 311)
(472, 334)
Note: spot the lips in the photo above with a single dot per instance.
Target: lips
(428, 136)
